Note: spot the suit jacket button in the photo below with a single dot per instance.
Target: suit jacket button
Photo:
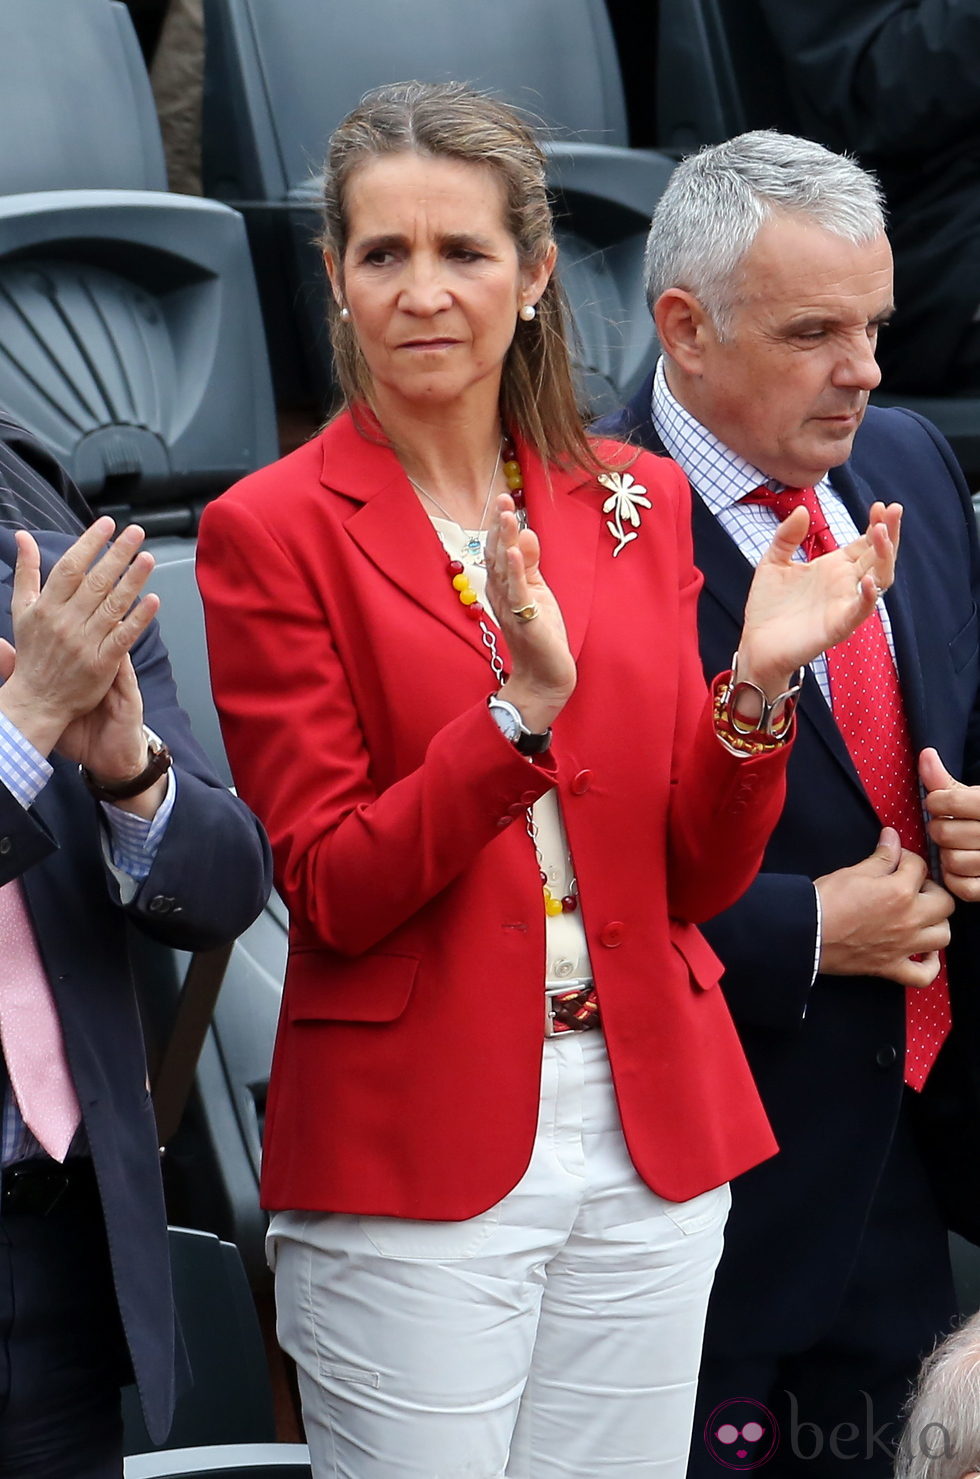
(160, 904)
(887, 1056)
(501, 822)
(612, 934)
(580, 782)
(6, 843)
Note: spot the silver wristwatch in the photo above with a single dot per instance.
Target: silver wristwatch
(510, 722)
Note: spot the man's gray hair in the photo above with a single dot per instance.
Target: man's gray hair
(941, 1437)
(717, 200)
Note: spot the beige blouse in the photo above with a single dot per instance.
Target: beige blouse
(567, 954)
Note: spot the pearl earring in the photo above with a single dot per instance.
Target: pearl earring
(345, 314)
(528, 312)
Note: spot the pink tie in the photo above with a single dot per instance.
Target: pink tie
(867, 705)
(31, 1033)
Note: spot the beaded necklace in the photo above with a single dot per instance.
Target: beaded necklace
(476, 611)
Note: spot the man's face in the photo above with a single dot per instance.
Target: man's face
(788, 386)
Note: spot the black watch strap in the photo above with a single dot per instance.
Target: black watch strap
(158, 762)
(527, 743)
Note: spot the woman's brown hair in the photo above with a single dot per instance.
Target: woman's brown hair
(451, 121)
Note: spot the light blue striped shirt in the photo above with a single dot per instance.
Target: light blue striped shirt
(130, 846)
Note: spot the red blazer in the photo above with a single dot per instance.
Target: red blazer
(352, 689)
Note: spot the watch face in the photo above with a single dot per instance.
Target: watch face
(505, 722)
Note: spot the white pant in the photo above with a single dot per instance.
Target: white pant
(557, 1334)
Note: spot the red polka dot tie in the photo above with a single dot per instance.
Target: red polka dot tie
(867, 705)
(30, 1032)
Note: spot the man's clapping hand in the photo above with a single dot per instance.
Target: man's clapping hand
(69, 682)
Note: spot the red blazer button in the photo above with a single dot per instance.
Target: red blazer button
(580, 783)
(504, 821)
(612, 934)
(529, 798)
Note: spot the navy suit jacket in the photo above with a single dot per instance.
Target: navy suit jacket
(828, 1060)
(209, 880)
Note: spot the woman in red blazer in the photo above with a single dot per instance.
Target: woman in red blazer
(500, 800)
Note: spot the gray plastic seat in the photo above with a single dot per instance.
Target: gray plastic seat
(230, 1396)
(282, 73)
(211, 1168)
(719, 74)
(131, 342)
(224, 1424)
(75, 101)
(130, 337)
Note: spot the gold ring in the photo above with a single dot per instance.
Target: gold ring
(526, 613)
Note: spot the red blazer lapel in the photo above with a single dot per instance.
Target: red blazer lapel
(391, 527)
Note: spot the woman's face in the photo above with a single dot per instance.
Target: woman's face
(432, 281)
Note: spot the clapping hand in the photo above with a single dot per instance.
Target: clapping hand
(797, 610)
(542, 667)
(953, 809)
(69, 681)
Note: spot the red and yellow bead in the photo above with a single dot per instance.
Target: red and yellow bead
(461, 585)
(553, 905)
(514, 476)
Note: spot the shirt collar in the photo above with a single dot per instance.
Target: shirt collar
(721, 477)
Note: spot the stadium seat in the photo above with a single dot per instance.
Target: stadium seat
(211, 1167)
(230, 1399)
(719, 74)
(280, 76)
(130, 337)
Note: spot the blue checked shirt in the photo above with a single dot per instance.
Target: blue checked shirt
(720, 478)
(130, 845)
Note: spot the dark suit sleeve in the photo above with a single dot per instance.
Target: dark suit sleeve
(768, 941)
(35, 490)
(212, 871)
(885, 77)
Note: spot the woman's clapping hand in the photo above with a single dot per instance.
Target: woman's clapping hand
(542, 667)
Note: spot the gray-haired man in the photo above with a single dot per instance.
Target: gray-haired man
(941, 1437)
(769, 276)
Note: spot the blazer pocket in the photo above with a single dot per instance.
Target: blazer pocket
(964, 645)
(322, 987)
(704, 967)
